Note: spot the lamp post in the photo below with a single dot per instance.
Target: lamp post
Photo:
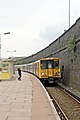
(69, 13)
(11, 52)
(0, 41)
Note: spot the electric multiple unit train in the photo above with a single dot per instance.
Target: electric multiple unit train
(46, 69)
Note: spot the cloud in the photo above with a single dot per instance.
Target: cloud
(33, 24)
(52, 32)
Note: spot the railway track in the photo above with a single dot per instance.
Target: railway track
(66, 105)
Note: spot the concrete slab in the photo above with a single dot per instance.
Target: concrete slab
(16, 99)
(41, 107)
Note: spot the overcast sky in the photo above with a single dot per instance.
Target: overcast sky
(33, 24)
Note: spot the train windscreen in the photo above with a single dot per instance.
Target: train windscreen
(47, 64)
(56, 63)
(43, 64)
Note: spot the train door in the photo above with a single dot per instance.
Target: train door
(50, 68)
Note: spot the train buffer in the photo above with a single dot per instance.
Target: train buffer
(25, 100)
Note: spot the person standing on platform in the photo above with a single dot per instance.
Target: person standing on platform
(19, 73)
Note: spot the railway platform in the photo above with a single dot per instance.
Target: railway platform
(25, 100)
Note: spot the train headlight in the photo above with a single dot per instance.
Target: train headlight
(57, 73)
(43, 74)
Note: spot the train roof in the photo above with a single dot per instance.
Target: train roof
(52, 58)
(49, 58)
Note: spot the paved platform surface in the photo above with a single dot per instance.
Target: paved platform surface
(25, 100)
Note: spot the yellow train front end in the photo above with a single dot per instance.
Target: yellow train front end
(49, 70)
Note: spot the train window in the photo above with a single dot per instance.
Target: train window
(50, 64)
(56, 64)
(44, 64)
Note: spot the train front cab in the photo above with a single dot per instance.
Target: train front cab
(49, 70)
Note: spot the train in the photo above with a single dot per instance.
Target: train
(46, 69)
